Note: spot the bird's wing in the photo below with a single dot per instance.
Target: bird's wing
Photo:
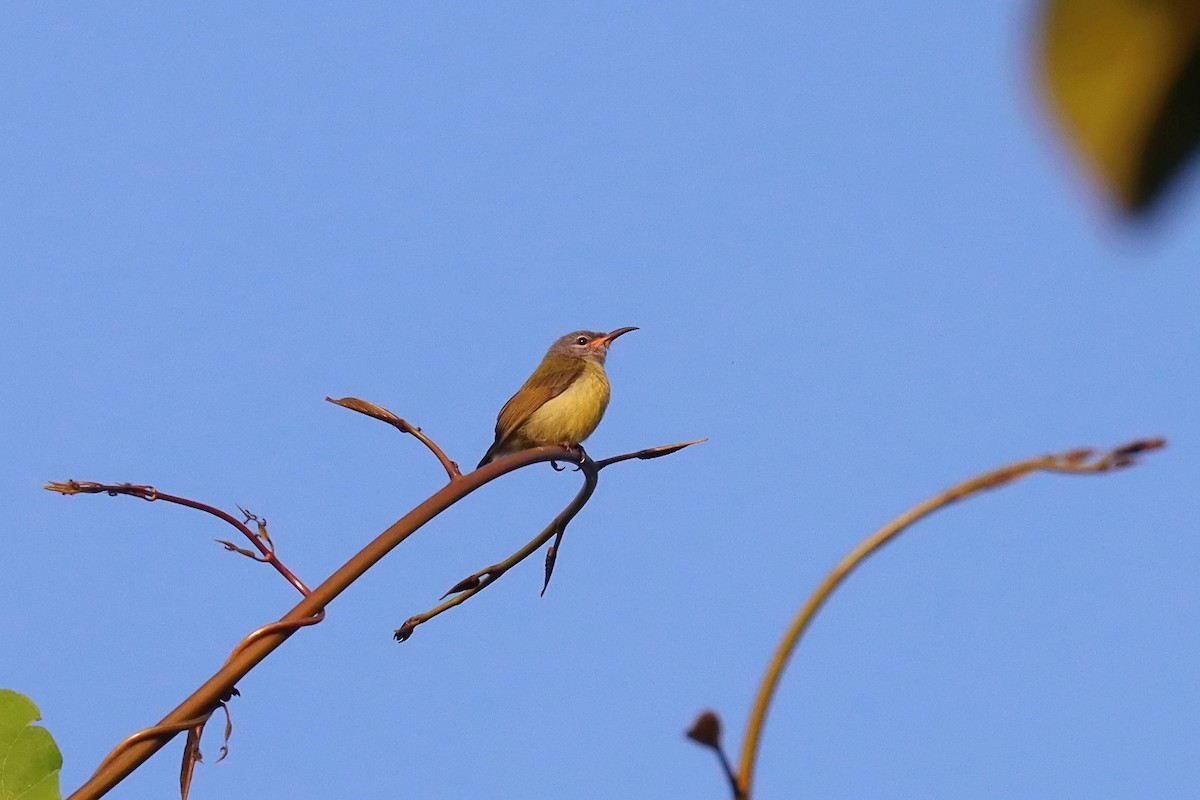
(541, 387)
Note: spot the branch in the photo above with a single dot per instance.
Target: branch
(476, 582)
(383, 415)
(261, 541)
(135, 750)
(1075, 462)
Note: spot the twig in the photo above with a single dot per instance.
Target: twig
(1072, 462)
(261, 541)
(382, 414)
(476, 582)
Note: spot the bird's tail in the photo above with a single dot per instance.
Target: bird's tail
(490, 454)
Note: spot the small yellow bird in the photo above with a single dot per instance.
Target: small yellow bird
(563, 400)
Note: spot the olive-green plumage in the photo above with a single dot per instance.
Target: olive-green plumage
(563, 400)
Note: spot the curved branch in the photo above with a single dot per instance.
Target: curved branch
(476, 582)
(256, 647)
(1073, 462)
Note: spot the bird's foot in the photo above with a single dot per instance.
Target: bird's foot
(576, 449)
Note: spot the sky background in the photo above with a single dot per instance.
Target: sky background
(863, 265)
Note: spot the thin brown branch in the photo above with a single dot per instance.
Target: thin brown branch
(1072, 462)
(258, 645)
(476, 582)
(383, 415)
(261, 541)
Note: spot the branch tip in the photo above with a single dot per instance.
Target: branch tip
(403, 633)
(1140, 446)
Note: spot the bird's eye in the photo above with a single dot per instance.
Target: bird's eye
(581, 340)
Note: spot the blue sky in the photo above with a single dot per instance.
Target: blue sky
(862, 264)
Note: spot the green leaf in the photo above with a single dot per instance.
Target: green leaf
(29, 758)
(1123, 77)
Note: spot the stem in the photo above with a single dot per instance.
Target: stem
(1074, 462)
(258, 645)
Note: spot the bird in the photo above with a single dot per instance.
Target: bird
(564, 399)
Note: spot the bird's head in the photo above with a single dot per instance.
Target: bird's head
(590, 345)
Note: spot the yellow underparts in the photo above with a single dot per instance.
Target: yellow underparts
(570, 417)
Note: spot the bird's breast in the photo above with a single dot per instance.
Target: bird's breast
(573, 415)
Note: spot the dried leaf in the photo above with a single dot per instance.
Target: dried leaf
(191, 757)
(1140, 446)
(368, 408)
(469, 582)
(706, 730)
(404, 631)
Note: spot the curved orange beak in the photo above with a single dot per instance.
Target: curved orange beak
(607, 339)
